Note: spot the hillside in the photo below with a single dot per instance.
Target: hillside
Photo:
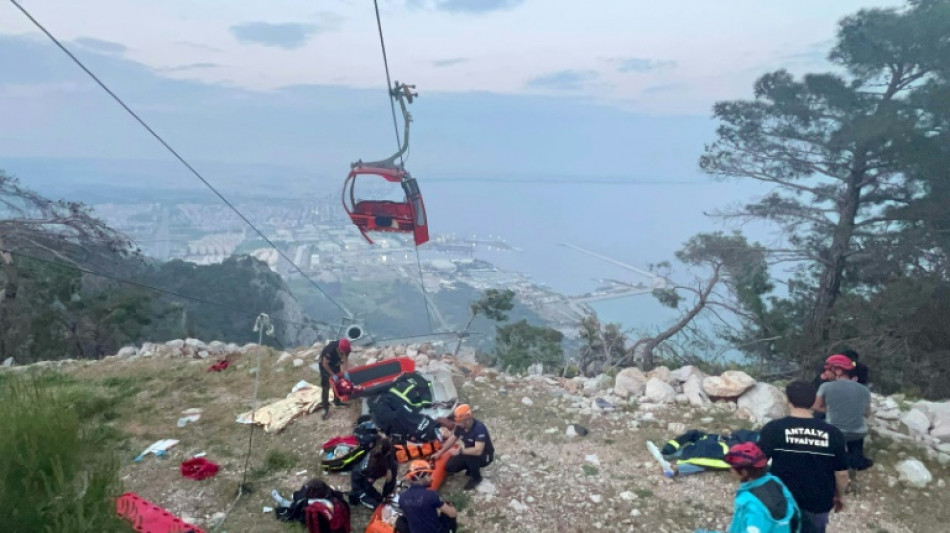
(543, 479)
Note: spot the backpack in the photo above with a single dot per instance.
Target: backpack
(413, 389)
(341, 457)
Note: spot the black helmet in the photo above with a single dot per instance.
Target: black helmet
(366, 434)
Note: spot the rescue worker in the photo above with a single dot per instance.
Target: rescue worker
(423, 510)
(848, 404)
(763, 503)
(334, 363)
(476, 451)
(379, 463)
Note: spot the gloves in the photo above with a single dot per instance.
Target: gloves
(347, 375)
(336, 378)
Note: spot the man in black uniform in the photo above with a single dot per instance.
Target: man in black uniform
(809, 456)
(334, 361)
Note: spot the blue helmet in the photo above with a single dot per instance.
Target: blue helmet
(367, 433)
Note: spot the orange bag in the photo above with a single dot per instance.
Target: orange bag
(377, 524)
(411, 450)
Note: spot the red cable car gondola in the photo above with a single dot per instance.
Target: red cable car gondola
(407, 216)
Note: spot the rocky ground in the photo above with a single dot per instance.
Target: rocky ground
(546, 477)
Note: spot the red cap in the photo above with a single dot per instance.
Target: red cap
(839, 361)
(344, 345)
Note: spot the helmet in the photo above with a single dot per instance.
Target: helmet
(344, 345)
(366, 434)
(463, 412)
(839, 361)
(746, 454)
(418, 468)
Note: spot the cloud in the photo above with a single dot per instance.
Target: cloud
(198, 46)
(449, 62)
(563, 80)
(287, 35)
(641, 64)
(189, 66)
(98, 45)
(468, 6)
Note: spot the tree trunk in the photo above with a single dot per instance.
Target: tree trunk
(829, 286)
(650, 344)
(7, 294)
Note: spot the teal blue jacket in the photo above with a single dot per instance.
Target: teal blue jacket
(765, 505)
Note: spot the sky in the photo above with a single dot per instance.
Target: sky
(280, 94)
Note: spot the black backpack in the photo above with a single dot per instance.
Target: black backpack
(330, 462)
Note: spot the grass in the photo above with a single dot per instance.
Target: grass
(590, 470)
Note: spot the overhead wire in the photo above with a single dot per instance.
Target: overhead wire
(402, 162)
(80, 64)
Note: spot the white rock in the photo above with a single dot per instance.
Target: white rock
(630, 382)
(126, 351)
(298, 363)
(914, 473)
(916, 422)
(888, 414)
(536, 369)
(635, 512)
(683, 373)
(517, 506)
(627, 496)
(659, 391)
(592, 459)
(204, 354)
(177, 343)
(764, 401)
(8, 362)
(284, 356)
(731, 384)
(596, 498)
(662, 373)
(693, 389)
(195, 343)
(486, 487)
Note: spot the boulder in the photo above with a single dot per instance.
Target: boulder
(914, 473)
(693, 390)
(659, 391)
(536, 369)
(916, 422)
(630, 382)
(731, 384)
(764, 402)
(683, 373)
(597, 383)
(662, 373)
(127, 351)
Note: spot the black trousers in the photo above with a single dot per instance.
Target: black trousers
(448, 525)
(472, 464)
(856, 458)
(325, 393)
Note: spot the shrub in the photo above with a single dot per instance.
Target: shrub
(55, 474)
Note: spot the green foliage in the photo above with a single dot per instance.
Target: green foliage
(56, 471)
(590, 470)
(494, 304)
(520, 345)
(602, 347)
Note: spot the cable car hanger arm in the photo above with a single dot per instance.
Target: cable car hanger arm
(403, 94)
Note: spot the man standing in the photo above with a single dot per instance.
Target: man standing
(477, 450)
(334, 361)
(809, 456)
(847, 404)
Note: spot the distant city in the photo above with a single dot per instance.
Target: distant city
(319, 238)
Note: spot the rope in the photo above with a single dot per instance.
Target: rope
(389, 84)
(346, 312)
